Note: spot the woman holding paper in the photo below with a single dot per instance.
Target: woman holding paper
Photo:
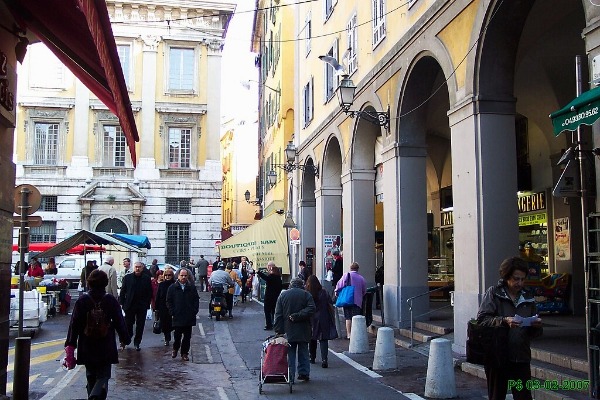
(508, 305)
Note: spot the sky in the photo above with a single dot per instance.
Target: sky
(237, 100)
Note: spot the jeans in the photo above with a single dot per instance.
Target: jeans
(186, 331)
(303, 361)
(138, 317)
(203, 282)
(323, 345)
(97, 380)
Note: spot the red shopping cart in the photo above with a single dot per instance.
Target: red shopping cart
(274, 362)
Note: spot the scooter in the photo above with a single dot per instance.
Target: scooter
(218, 304)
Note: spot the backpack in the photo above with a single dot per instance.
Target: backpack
(97, 323)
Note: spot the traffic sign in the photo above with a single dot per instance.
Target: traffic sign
(31, 221)
(34, 199)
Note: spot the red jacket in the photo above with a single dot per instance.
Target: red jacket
(35, 270)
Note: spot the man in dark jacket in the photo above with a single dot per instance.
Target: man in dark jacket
(183, 305)
(99, 353)
(202, 273)
(135, 297)
(293, 313)
(338, 268)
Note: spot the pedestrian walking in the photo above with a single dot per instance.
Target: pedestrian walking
(135, 297)
(236, 275)
(352, 278)
(111, 272)
(96, 354)
(322, 321)
(183, 304)
(90, 266)
(126, 270)
(293, 312)
(202, 273)
(160, 304)
(244, 278)
(273, 286)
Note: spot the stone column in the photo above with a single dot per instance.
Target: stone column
(81, 132)
(213, 101)
(358, 202)
(405, 240)
(146, 168)
(484, 187)
(328, 222)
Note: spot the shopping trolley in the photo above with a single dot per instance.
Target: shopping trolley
(274, 362)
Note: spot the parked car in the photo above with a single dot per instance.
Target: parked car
(162, 266)
(70, 268)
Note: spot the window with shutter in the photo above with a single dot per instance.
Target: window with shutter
(378, 21)
(352, 45)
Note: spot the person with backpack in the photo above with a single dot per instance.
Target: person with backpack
(96, 316)
(135, 297)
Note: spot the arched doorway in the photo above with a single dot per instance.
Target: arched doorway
(112, 225)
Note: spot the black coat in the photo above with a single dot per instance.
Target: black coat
(183, 304)
(273, 287)
(96, 351)
(323, 324)
(299, 305)
(337, 270)
(136, 292)
(161, 305)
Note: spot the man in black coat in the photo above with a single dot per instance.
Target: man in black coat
(183, 305)
(293, 313)
(135, 297)
(338, 267)
(273, 286)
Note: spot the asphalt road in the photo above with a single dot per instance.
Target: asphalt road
(225, 364)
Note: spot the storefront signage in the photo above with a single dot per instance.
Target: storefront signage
(447, 218)
(562, 239)
(532, 202)
(7, 98)
(533, 219)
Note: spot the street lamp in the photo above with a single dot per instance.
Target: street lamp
(289, 224)
(346, 91)
(247, 197)
(290, 165)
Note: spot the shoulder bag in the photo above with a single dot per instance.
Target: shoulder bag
(487, 345)
(345, 297)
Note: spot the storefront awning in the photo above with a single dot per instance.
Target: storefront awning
(79, 33)
(140, 241)
(585, 109)
(264, 241)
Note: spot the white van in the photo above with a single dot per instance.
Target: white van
(70, 267)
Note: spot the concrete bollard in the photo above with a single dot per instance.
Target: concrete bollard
(385, 350)
(440, 383)
(359, 339)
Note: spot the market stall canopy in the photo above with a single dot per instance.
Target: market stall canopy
(261, 242)
(85, 237)
(79, 249)
(584, 109)
(79, 33)
(140, 241)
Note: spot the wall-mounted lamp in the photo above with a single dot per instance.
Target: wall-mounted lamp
(346, 92)
(247, 197)
(289, 221)
(290, 165)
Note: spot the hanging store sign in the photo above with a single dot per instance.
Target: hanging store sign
(532, 202)
(562, 239)
(583, 110)
(447, 218)
(8, 79)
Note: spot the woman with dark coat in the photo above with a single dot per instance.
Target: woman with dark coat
(323, 325)
(160, 304)
(273, 287)
(90, 265)
(97, 354)
(183, 304)
(500, 307)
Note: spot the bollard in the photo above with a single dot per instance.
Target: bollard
(21, 372)
(359, 340)
(385, 350)
(440, 383)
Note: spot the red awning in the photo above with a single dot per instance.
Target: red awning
(79, 249)
(79, 33)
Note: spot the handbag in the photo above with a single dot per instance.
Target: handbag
(345, 297)
(156, 328)
(487, 345)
